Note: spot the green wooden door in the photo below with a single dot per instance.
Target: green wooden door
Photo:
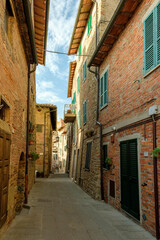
(129, 178)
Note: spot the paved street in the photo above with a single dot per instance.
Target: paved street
(60, 210)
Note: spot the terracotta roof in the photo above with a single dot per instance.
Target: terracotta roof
(41, 15)
(80, 25)
(46, 106)
(71, 76)
(122, 15)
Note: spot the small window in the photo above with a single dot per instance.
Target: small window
(39, 127)
(85, 112)
(4, 111)
(84, 71)
(104, 90)
(89, 23)
(88, 155)
(152, 40)
(8, 14)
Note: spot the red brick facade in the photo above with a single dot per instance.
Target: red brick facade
(131, 94)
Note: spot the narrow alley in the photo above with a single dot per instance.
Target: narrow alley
(60, 210)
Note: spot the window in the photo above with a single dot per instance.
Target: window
(84, 71)
(39, 127)
(84, 112)
(89, 23)
(74, 98)
(79, 119)
(105, 154)
(8, 14)
(79, 51)
(88, 155)
(4, 110)
(152, 40)
(104, 90)
(78, 85)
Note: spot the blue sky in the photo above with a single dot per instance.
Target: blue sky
(52, 79)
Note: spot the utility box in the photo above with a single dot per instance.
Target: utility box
(153, 110)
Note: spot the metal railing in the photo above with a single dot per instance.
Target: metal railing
(69, 109)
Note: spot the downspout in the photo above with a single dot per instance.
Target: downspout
(27, 130)
(97, 117)
(155, 179)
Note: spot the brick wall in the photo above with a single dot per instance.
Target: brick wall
(130, 95)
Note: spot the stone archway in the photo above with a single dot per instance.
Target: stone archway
(20, 183)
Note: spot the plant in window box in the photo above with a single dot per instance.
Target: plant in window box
(34, 156)
(156, 152)
(108, 162)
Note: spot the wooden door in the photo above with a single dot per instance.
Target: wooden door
(129, 178)
(4, 174)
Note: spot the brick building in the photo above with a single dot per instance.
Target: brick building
(18, 61)
(128, 58)
(46, 120)
(85, 164)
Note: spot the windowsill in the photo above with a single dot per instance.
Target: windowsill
(151, 71)
(103, 107)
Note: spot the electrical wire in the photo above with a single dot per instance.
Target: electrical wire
(63, 53)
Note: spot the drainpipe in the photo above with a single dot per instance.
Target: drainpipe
(155, 178)
(97, 117)
(27, 130)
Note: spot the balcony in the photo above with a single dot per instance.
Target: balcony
(69, 113)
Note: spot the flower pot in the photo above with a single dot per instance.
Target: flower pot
(31, 142)
(31, 130)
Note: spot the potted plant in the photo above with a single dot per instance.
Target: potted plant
(31, 128)
(108, 162)
(31, 142)
(156, 151)
(34, 156)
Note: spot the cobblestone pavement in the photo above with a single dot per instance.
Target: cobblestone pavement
(60, 210)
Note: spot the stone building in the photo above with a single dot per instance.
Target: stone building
(128, 61)
(46, 119)
(18, 61)
(85, 159)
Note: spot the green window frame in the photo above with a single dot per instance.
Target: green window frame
(152, 40)
(84, 71)
(104, 90)
(79, 50)
(78, 84)
(79, 119)
(84, 112)
(89, 23)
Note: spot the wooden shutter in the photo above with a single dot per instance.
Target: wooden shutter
(88, 155)
(84, 112)
(85, 69)
(79, 119)
(105, 97)
(4, 175)
(78, 85)
(101, 91)
(89, 23)
(158, 34)
(105, 153)
(149, 42)
(79, 51)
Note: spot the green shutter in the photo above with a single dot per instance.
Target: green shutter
(149, 42)
(105, 96)
(89, 23)
(79, 119)
(101, 91)
(78, 85)
(79, 51)
(84, 112)
(158, 34)
(84, 71)
(88, 155)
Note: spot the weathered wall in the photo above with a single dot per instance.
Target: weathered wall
(13, 87)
